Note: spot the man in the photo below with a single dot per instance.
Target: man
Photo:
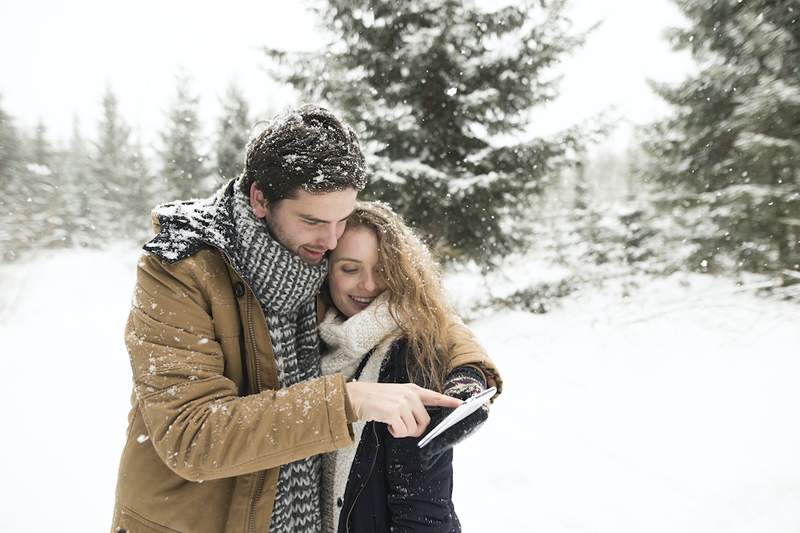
(229, 411)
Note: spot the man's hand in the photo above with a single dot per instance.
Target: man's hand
(399, 405)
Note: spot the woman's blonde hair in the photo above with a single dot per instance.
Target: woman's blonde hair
(416, 300)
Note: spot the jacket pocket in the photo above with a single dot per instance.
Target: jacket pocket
(132, 522)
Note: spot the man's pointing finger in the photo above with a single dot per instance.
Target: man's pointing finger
(435, 399)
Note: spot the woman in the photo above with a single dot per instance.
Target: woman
(389, 323)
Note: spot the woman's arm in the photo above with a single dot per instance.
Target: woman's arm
(419, 499)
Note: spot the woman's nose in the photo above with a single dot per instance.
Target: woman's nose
(368, 283)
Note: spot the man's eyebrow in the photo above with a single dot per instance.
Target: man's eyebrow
(315, 219)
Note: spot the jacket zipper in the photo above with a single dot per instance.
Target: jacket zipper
(262, 474)
(366, 479)
(257, 388)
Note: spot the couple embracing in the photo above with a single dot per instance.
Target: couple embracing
(289, 347)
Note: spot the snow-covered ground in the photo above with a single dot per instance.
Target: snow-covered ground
(671, 410)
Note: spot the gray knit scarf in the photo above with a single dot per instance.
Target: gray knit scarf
(286, 287)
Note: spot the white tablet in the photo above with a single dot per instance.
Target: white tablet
(459, 413)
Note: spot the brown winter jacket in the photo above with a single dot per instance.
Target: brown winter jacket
(208, 428)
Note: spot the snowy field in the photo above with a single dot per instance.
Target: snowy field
(672, 410)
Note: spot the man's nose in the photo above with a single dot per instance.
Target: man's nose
(329, 237)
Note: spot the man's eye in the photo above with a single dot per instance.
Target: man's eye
(311, 222)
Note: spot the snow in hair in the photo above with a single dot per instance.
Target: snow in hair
(309, 148)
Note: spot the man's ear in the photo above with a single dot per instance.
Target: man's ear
(257, 201)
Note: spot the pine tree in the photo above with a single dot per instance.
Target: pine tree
(140, 196)
(731, 147)
(42, 152)
(78, 184)
(433, 88)
(183, 167)
(47, 204)
(107, 190)
(11, 159)
(10, 149)
(232, 133)
(586, 220)
(13, 188)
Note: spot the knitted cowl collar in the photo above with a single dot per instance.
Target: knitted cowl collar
(349, 339)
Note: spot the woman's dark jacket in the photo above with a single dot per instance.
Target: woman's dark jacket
(387, 490)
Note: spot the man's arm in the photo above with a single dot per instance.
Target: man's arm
(199, 425)
(465, 350)
(401, 406)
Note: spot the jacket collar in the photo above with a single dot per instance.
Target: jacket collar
(185, 227)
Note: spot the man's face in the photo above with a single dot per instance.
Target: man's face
(309, 224)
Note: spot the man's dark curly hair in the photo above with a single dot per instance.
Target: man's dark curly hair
(308, 148)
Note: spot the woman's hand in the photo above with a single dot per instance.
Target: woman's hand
(462, 383)
(399, 405)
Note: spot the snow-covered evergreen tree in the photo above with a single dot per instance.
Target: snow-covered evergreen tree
(732, 148)
(48, 217)
(121, 167)
(111, 171)
(140, 197)
(14, 191)
(440, 93)
(76, 169)
(10, 150)
(41, 151)
(183, 163)
(233, 130)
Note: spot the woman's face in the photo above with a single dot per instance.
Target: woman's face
(354, 279)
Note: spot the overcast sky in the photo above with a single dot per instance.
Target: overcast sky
(56, 57)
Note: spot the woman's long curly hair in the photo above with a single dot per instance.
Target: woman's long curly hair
(413, 282)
